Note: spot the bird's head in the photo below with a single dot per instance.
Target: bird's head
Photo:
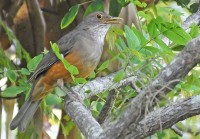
(100, 20)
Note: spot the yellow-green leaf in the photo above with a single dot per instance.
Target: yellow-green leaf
(70, 16)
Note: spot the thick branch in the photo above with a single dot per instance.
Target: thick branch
(100, 85)
(194, 18)
(177, 130)
(80, 115)
(83, 118)
(13, 11)
(38, 25)
(166, 117)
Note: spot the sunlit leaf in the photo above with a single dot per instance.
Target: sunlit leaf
(99, 106)
(194, 31)
(80, 80)
(72, 69)
(13, 91)
(52, 99)
(25, 71)
(132, 40)
(11, 75)
(33, 63)
(119, 76)
(104, 65)
(96, 5)
(70, 16)
(162, 45)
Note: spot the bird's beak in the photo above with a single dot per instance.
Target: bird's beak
(113, 20)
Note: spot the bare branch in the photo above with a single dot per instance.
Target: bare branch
(100, 85)
(194, 18)
(13, 10)
(38, 25)
(167, 116)
(177, 130)
(83, 118)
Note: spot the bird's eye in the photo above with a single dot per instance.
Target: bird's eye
(99, 16)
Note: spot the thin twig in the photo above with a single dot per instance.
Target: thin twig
(107, 106)
(177, 130)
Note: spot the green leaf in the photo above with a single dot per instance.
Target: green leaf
(132, 40)
(59, 92)
(140, 4)
(183, 2)
(115, 8)
(33, 63)
(104, 65)
(141, 38)
(13, 91)
(70, 16)
(80, 80)
(73, 70)
(194, 7)
(153, 50)
(11, 75)
(122, 2)
(99, 106)
(163, 46)
(94, 6)
(144, 15)
(67, 128)
(52, 99)
(160, 134)
(173, 36)
(122, 43)
(24, 82)
(183, 34)
(194, 31)
(119, 76)
(152, 29)
(117, 30)
(25, 71)
(137, 54)
(92, 75)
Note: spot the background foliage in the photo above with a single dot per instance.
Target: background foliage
(146, 49)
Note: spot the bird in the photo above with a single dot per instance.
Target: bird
(82, 47)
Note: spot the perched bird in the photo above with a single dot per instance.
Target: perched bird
(82, 47)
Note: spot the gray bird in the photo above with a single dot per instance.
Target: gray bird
(82, 47)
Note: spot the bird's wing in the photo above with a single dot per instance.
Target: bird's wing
(65, 44)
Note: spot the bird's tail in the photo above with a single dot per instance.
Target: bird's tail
(25, 114)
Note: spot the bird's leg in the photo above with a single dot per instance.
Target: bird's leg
(60, 83)
(68, 90)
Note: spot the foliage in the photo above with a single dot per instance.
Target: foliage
(146, 51)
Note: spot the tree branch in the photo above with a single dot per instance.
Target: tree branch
(38, 25)
(102, 84)
(177, 130)
(194, 18)
(13, 11)
(166, 80)
(80, 115)
(83, 118)
(126, 126)
(166, 117)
